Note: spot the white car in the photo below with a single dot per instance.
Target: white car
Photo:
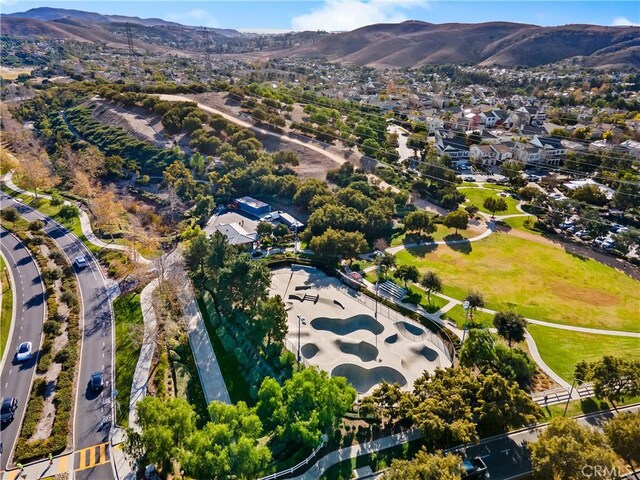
(80, 262)
(24, 352)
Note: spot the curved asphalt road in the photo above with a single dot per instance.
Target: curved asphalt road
(29, 312)
(92, 415)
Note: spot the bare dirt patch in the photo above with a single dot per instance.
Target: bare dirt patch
(45, 425)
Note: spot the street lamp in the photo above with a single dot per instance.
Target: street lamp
(299, 327)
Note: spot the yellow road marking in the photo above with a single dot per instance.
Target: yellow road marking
(103, 453)
(97, 456)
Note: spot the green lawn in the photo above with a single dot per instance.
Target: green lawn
(458, 315)
(442, 233)
(563, 349)
(6, 313)
(537, 280)
(128, 316)
(519, 224)
(477, 196)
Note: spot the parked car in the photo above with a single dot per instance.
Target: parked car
(96, 382)
(80, 262)
(474, 469)
(7, 409)
(491, 180)
(572, 229)
(24, 352)
(469, 179)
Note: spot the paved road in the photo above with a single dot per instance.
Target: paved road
(29, 311)
(92, 411)
(507, 456)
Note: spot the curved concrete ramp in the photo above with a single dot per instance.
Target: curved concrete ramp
(363, 379)
(426, 352)
(346, 326)
(411, 332)
(363, 350)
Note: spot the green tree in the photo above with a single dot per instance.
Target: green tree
(474, 301)
(10, 214)
(512, 169)
(626, 195)
(458, 219)
(69, 212)
(264, 229)
(309, 189)
(478, 349)
(431, 283)
(407, 273)
(589, 194)
(565, 447)
(204, 207)
(419, 221)
(308, 405)
(495, 204)
(370, 148)
(623, 433)
(271, 319)
(426, 466)
(511, 326)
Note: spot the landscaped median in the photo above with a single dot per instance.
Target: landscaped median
(46, 427)
(6, 307)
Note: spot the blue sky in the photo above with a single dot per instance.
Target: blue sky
(348, 14)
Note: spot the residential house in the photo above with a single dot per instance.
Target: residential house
(483, 155)
(503, 151)
(554, 151)
(455, 147)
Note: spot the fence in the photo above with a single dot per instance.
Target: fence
(293, 469)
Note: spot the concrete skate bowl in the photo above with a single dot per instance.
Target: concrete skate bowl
(363, 350)
(363, 379)
(418, 354)
(411, 332)
(346, 326)
(309, 350)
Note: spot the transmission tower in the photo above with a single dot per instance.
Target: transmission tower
(132, 50)
(206, 47)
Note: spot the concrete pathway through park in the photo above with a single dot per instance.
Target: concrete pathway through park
(143, 366)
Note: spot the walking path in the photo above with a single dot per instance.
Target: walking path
(143, 366)
(85, 222)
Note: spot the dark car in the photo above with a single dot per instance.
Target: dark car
(9, 406)
(96, 383)
(474, 468)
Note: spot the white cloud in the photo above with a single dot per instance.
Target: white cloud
(340, 15)
(197, 17)
(624, 22)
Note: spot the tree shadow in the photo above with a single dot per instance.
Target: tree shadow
(576, 255)
(461, 247)
(422, 250)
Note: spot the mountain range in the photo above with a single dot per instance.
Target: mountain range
(406, 44)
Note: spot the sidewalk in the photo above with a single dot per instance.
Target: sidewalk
(143, 366)
(61, 464)
(208, 368)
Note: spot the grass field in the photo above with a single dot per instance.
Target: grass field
(519, 223)
(12, 73)
(536, 280)
(128, 316)
(458, 315)
(6, 313)
(442, 233)
(477, 196)
(563, 349)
